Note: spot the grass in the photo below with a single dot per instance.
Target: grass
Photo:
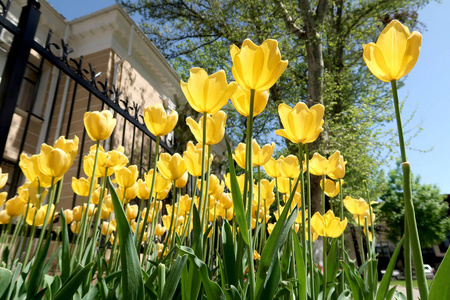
(403, 283)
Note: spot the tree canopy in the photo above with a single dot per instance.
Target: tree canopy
(322, 41)
(431, 211)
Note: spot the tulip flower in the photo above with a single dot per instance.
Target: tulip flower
(143, 192)
(290, 167)
(319, 165)
(132, 211)
(129, 193)
(30, 168)
(16, 206)
(284, 185)
(40, 215)
(157, 120)
(262, 155)
(266, 188)
(68, 146)
(95, 199)
(54, 162)
(359, 218)
(328, 225)
(108, 228)
(241, 101)
(68, 214)
(356, 206)
(331, 188)
(301, 125)
(207, 94)
(240, 179)
(171, 166)
(161, 182)
(193, 159)
(81, 186)
(215, 128)
(3, 178)
(4, 217)
(160, 230)
(127, 177)
(88, 167)
(395, 53)
(3, 196)
(239, 155)
(273, 168)
(225, 201)
(99, 125)
(75, 227)
(114, 160)
(257, 67)
(339, 172)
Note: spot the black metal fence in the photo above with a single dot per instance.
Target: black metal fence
(22, 79)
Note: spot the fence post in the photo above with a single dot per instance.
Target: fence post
(15, 67)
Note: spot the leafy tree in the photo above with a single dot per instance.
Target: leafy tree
(431, 211)
(321, 39)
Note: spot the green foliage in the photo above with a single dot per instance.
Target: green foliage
(430, 209)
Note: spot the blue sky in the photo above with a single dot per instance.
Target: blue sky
(426, 89)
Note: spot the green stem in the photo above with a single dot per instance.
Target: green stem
(361, 247)
(97, 216)
(202, 176)
(249, 168)
(258, 206)
(191, 209)
(411, 228)
(324, 257)
(206, 191)
(47, 215)
(342, 242)
(311, 259)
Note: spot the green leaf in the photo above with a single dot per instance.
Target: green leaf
(70, 287)
(300, 264)
(273, 244)
(212, 289)
(440, 289)
(386, 280)
(65, 254)
(238, 203)
(5, 280)
(36, 274)
(332, 261)
(351, 276)
(132, 282)
(229, 259)
(174, 277)
(270, 286)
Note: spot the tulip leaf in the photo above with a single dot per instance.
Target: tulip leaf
(65, 254)
(332, 262)
(300, 264)
(174, 277)
(238, 203)
(440, 289)
(273, 244)
(386, 280)
(212, 289)
(71, 286)
(36, 274)
(5, 280)
(228, 255)
(132, 282)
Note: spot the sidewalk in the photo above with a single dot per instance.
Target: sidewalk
(402, 289)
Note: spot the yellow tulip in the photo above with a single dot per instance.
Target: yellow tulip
(54, 162)
(171, 166)
(88, 167)
(301, 125)
(132, 211)
(290, 167)
(105, 213)
(108, 228)
(68, 214)
(273, 168)
(182, 181)
(240, 180)
(241, 101)
(339, 172)
(127, 177)
(185, 203)
(68, 146)
(3, 178)
(370, 234)
(256, 255)
(4, 217)
(75, 227)
(99, 125)
(30, 168)
(270, 227)
(395, 53)
(284, 185)
(160, 230)
(215, 128)
(143, 192)
(266, 189)
(40, 215)
(193, 159)
(359, 218)
(328, 225)
(262, 155)
(33, 191)
(207, 94)
(15, 206)
(314, 235)
(225, 201)
(114, 160)
(157, 120)
(257, 67)
(3, 196)
(319, 165)
(129, 193)
(97, 193)
(331, 188)
(356, 206)
(81, 186)
(239, 155)
(107, 203)
(76, 213)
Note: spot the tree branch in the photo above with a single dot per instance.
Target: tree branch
(289, 21)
